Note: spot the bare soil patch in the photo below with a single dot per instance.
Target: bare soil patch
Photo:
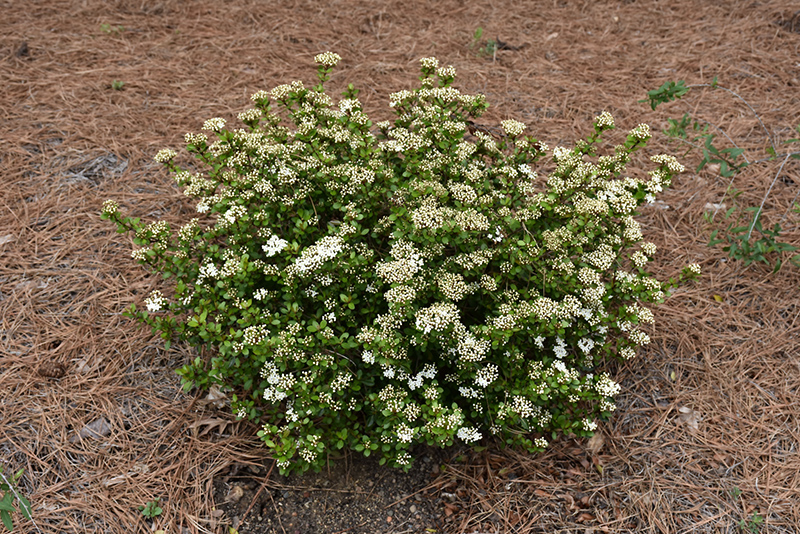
(707, 431)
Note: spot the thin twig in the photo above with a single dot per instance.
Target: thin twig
(763, 200)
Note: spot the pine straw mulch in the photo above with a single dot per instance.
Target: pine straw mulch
(706, 435)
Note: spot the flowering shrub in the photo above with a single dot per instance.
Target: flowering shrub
(412, 283)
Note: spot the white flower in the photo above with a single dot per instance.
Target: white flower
(605, 120)
(209, 270)
(606, 387)
(368, 357)
(649, 248)
(586, 345)
(436, 317)
(446, 72)
(110, 207)
(487, 375)
(216, 124)
(513, 128)
(165, 155)
(404, 433)
(327, 59)
(469, 434)
(469, 393)
(641, 132)
(274, 245)
(388, 370)
(497, 237)
(429, 62)
(639, 259)
(323, 250)
(155, 302)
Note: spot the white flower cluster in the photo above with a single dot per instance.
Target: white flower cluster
(641, 132)
(487, 375)
(470, 348)
(606, 387)
(140, 254)
(605, 120)
(282, 91)
(165, 155)
(562, 373)
(249, 115)
(560, 349)
(694, 268)
(586, 345)
(513, 128)
(341, 381)
(497, 236)
(620, 199)
(233, 214)
(639, 259)
(429, 62)
(463, 193)
(468, 434)
(436, 317)
(453, 286)
(280, 383)
(429, 372)
(274, 245)
(155, 302)
(110, 207)
(208, 270)
(602, 257)
(215, 125)
(327, 59)
(404, 433)
(312, 257)
(401, 294)
(469, 393)
(408, 262)
(446, 72)
(195, 139)
(639, 337)
(669, 161)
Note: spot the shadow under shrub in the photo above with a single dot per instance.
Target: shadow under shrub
(377, 286)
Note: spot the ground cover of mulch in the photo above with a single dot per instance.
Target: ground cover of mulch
(706, 435)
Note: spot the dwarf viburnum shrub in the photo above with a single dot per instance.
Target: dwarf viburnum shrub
(413, 282)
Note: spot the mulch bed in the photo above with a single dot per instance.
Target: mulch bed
(706, 435)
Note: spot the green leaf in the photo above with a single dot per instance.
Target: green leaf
(6, 518)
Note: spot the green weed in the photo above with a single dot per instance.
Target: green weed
(749, 242)
(151, 510)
